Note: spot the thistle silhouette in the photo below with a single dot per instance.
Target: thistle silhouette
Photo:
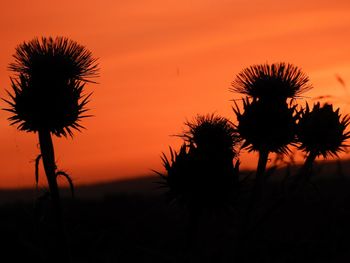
(278, 81)
(268, 123)
(202, 176)
(214, 138)
(321, 132)
(48, 98)
(265, 128)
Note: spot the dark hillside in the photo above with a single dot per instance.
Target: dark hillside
(130, 221)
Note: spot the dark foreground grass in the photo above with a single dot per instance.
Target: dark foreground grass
(312, 225)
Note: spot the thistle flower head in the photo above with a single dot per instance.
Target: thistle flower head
(48, 88)
(266, 126)
(202, 175)
(54, 59)
(179, 173)
(197, 182)
(213, 135)
(322, 131)
(270, 82)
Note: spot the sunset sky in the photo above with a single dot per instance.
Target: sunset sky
(162, 62)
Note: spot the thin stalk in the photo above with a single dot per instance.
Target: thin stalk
(260, 175)
(258, 189)
(309, 164)
(48, 157)
(304, 172)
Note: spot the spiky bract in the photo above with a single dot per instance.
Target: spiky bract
(59, 59)
(266, 126)
(277, 81)
(48, 88)
(213, 135)
(322, 131)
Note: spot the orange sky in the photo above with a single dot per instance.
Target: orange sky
(162, 62)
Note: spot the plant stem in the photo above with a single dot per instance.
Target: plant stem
(307, 167)
(303, 174)
(260, 174)
(48, 157)
(257, 193)
(305, 171)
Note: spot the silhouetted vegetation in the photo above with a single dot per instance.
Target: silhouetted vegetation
(321, 132)
(278, 81)
(48, 98)
(270, 121)
(218, 212)
(201, 176)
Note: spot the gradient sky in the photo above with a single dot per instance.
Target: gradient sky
(162, 62)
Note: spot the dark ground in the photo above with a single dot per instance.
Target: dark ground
(131, 222)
